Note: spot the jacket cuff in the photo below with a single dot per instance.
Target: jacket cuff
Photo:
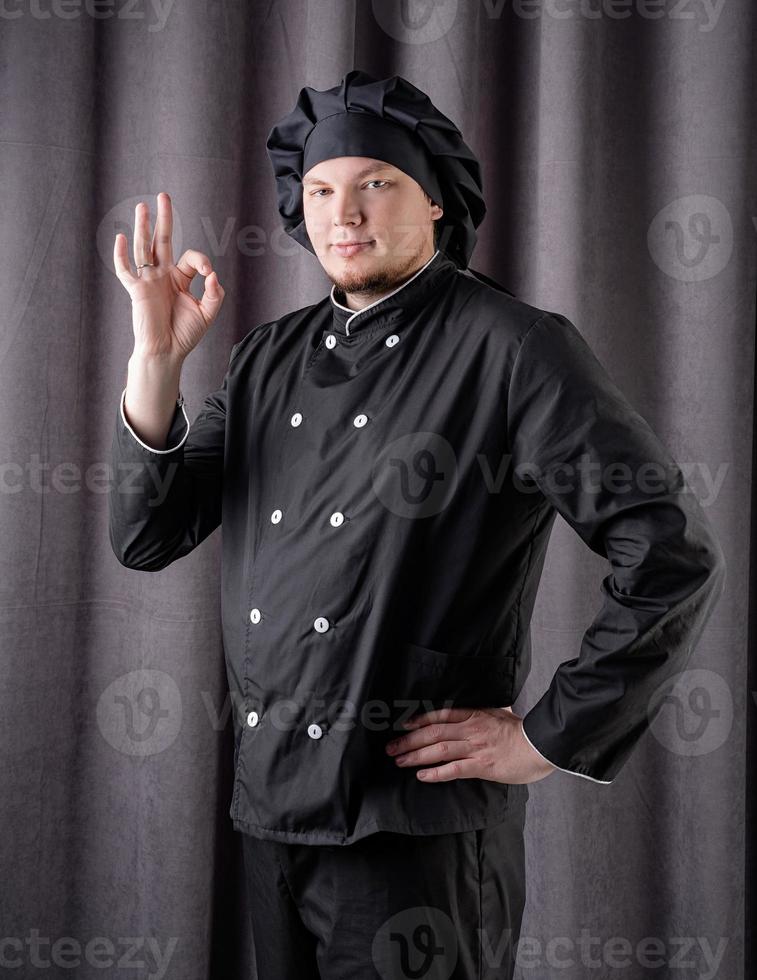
(573, 772)
(177, 433)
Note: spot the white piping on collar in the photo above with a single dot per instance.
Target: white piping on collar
(381, 300)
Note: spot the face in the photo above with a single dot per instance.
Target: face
(375, 205)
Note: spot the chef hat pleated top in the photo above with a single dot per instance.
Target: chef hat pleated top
(387, 119)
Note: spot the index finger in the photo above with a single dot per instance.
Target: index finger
(161, 239)
(121, 259)
(440, 714)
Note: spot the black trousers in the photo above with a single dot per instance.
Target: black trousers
(389, 906)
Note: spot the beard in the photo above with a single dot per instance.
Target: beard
(369, 282)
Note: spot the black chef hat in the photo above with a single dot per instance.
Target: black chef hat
(391, 120)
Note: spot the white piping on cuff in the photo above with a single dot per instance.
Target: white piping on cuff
(179, 401)
(604, 782)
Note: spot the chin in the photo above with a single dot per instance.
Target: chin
(358, 264)
(372, 269)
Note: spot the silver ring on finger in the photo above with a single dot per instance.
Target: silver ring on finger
(142, 266)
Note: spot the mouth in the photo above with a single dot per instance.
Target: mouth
(350, 248)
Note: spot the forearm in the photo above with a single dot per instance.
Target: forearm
(653, 612)
(152, 389)
(166, 501)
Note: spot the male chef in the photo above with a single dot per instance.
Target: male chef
(388, 463)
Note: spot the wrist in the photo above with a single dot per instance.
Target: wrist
(144, 359)
(544, 765)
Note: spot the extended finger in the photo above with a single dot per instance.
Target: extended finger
(469, 768)
(121, 260)
(426, 735)
(441, 750)
(440, 714)
(142, 247)
(161, 239)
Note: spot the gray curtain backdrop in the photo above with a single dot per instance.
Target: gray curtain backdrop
(616, 140)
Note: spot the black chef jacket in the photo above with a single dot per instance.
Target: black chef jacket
(388, 480)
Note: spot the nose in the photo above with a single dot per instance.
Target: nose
(346, 210)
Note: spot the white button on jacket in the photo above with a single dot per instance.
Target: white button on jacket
(482, 422)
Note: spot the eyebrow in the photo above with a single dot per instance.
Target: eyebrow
(380, 168)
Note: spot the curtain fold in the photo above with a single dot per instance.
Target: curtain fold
(617, 147)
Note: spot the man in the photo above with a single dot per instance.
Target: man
(388, 463)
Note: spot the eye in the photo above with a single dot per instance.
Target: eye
(322, 190)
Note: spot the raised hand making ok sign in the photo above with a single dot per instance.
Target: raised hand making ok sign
(167, 319)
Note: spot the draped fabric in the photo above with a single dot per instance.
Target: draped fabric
(617, 151)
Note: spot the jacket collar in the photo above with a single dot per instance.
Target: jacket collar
(397, 304)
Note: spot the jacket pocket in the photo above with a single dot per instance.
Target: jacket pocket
(438, 679)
